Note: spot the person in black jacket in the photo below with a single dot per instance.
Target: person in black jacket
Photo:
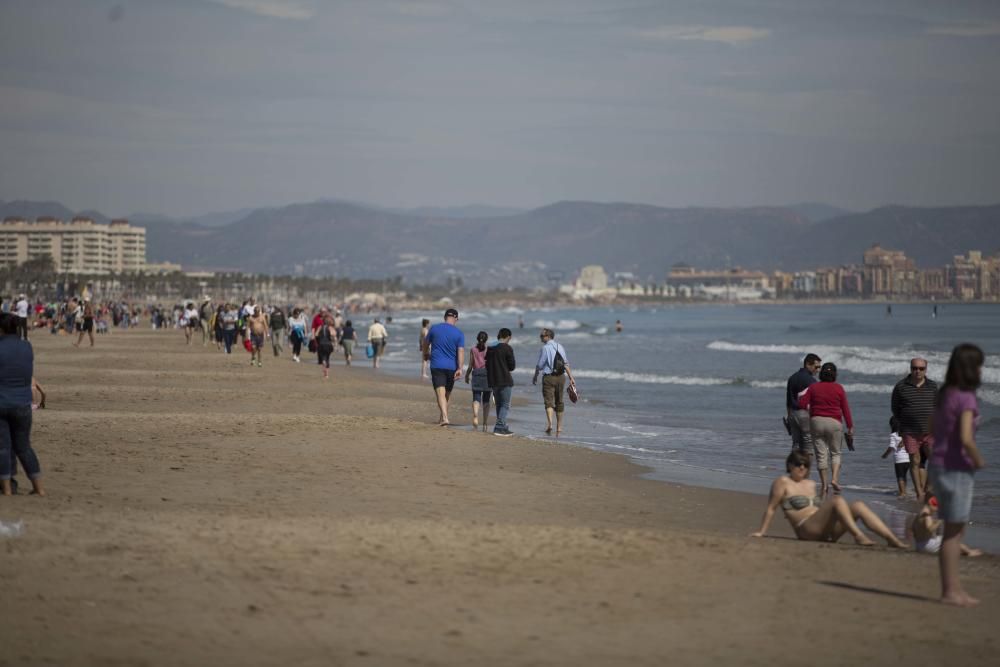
(499, 364)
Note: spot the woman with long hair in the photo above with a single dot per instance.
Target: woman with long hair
(954, 460)
(326, 337)
(827, 405)
(815, 519)
(425, 359)
(217, 325)
(480, 383)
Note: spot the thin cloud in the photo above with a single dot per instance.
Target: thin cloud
(725, 34)
(278, 9)
(423, 9)
(967, 29)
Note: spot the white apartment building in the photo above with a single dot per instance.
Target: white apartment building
(78, 246)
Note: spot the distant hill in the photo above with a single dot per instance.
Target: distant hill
(348, 239)
(818, 212)
(208, 220)
(34, 209)
(470, 211)
(931, 236)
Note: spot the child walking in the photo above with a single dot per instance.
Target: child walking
(900, 459)
(954, 460)
(480, 381)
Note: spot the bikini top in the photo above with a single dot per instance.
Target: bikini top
(800, 502)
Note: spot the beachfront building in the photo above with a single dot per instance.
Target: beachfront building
(734, 284)
(590, 283)
(973, 276)
(78, 246)
(888, 273)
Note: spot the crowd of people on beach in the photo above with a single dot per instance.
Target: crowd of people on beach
(931, 428)
(442, 349)
(932, 439)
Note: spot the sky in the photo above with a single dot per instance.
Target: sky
(182, 107)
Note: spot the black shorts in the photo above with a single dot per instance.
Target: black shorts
(902, 469)
(441, 377)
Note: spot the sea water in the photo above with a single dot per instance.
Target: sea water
(697, 392)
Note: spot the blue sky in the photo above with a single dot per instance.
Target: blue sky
(188, 106)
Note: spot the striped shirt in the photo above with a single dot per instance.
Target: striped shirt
(913, 405)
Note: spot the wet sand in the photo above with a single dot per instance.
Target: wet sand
(202, 512)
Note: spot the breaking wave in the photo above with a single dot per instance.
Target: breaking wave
(864, 360)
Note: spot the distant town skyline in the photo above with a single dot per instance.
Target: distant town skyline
(196, 106)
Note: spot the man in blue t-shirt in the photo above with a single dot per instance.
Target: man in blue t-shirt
(444, 346)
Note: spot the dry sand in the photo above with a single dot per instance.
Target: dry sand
(203, 512)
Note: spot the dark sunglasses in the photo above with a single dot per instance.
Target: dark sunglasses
(918, 368)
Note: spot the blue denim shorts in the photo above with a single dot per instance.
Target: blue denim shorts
(953, 489)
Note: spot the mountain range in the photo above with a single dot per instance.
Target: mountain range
(524, 248)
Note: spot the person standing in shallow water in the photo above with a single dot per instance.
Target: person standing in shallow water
(954, 461)
(798, 419)
(913, 400)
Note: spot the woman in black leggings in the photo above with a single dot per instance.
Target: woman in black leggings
(326, 337)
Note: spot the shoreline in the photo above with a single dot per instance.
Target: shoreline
(212, 512)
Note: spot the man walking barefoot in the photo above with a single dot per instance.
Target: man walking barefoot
(257, 324)
(445, 343)
(554, 367)
(377, 337)
(912, 405)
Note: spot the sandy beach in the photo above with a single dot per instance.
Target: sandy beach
(204, 512)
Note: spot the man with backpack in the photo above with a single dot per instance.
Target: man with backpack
(554, 368)
(276, 322)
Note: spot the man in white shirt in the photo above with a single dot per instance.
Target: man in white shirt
(377, 337)
(21, 310)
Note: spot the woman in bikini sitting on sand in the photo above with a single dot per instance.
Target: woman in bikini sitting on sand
(815, 519)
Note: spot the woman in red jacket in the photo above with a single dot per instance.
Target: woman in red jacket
(827, 405)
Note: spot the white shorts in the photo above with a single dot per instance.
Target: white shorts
(931, 546)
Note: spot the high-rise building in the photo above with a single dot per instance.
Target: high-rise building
(888, 272)
(78, 246)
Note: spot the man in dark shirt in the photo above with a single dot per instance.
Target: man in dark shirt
(798, 420)
(499, 364)
(912, 405)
